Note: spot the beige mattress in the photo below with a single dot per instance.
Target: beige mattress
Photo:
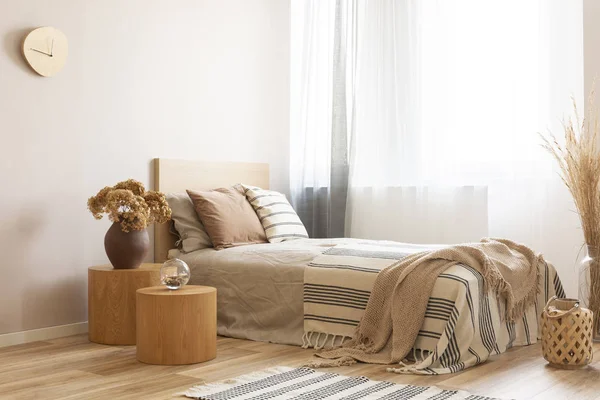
(259, 287)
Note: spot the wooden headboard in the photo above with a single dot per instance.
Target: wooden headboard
(173, 176)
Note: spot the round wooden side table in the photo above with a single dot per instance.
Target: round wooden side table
(176, 327)
(111, 301)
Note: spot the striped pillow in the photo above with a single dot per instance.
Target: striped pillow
(277, 216)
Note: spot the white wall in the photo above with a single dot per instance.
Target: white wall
(591, 43)
(196, 79)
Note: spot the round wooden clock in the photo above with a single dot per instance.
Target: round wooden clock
(46, 50)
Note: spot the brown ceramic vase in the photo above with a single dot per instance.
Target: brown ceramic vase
(126, 250)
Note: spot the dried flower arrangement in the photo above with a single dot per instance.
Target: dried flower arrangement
(129, 203)
(579, 162)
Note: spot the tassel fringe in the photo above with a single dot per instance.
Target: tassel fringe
(198, 391)
(321, 340)
(494, 281)
(324, 363)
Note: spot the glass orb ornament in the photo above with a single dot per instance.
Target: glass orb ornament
(174, 273)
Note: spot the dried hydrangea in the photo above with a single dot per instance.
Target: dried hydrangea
(136, 187)
(160, 212)
(129, 204)
(97, 203)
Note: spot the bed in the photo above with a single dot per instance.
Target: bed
(262, 296)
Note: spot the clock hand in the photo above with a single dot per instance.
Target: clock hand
(52, 48)
(39, 51)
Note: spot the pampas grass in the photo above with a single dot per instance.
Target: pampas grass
(578, 158)
(579, 162)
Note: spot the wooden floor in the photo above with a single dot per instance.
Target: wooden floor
(74, 368)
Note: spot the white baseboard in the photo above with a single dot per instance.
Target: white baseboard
(34, 335)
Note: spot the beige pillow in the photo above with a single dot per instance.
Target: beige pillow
(227, 217)
(192, 235)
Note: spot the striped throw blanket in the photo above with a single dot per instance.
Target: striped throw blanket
(463, 324)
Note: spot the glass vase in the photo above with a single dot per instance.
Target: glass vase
(174, 273)
(589, 286)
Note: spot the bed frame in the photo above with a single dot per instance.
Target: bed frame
(178, 175)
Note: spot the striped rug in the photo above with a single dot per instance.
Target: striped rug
(308, 384)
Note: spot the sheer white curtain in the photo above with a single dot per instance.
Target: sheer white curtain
(311, 102)
(447, 99)
(311, 119)
(323, 64)
(446, 85)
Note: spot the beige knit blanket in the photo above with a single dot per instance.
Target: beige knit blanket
(396, 308)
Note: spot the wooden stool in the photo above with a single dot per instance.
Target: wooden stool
(176, 326)
(111, 301)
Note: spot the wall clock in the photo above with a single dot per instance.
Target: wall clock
(46, 50)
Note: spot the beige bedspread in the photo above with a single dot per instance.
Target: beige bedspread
(260, 287)
(261, 297)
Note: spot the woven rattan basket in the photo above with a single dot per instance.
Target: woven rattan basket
(567, 334)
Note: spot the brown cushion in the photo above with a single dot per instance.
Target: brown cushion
(227, 217)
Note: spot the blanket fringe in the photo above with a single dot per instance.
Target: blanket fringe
(322, 340)
(493, 281)
(411, 367)
(419, 355)
(325, 363)
(408, 369)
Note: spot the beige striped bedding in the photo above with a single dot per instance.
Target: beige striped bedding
(261, 297)
(462, 325)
